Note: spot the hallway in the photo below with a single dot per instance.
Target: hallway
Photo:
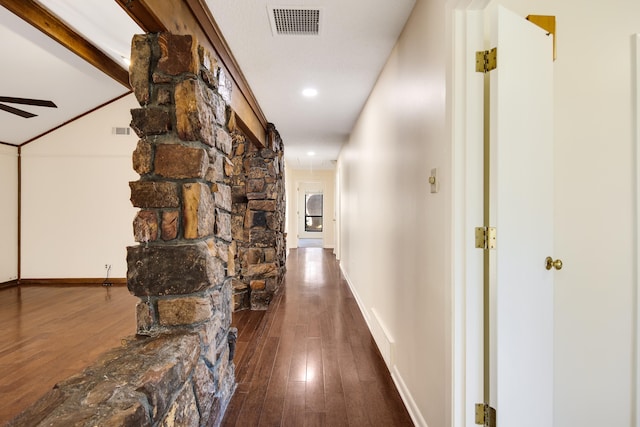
(310, 359)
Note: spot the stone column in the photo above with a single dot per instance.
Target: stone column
(179, 269)
(258, 220)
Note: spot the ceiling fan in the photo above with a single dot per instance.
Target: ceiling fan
(23, 101)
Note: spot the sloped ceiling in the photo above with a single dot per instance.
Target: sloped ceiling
(37, 67)
(342, 62)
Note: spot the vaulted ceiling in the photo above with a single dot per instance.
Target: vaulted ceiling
(84, 65)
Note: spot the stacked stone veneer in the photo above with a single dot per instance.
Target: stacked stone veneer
(178, 370)
(180, 269)
(258, 220)
(210, 224)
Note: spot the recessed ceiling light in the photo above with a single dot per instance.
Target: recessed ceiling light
(309, 92)
(311, 153)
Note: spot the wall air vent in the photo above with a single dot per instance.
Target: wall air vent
(286, 21)
(121, 131)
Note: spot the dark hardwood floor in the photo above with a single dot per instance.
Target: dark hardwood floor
(310, 360)
(307, 361)
(48, 333)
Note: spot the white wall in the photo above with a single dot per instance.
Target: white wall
(395, 238)
(8, 213)
(326, 178)
(395, 234)
(76, 213)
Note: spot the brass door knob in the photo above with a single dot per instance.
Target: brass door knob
(550, 263)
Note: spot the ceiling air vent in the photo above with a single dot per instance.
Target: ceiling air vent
(294, 22)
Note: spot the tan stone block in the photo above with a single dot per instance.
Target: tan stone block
(145, 226)
(139, 67)
(257, 285)
(223, 251)
(225, 85)
(142, 156)
(184, 410)
(184, 311)
(144, 317)
(223, 225)
(240, 300)
(198, 210)
(262, 270)
(215, 172)
(269, 255)
(204, 388)
(240, 149)
(224, 141)
(223, 197)
(262, 205)
(231, 259)
(195, 113)
(238, 285)
(179, 162)
(170, 224)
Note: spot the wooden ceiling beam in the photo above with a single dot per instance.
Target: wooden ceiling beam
(193, 17)
(210, 27)
(40, 18)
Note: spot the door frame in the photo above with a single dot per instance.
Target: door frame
(467, 127)
(635, 418)
(300, 198)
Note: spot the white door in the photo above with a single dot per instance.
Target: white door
(311, 219)
(521, 208)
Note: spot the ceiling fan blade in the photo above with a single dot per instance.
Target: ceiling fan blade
(16, 111)
(27, 101)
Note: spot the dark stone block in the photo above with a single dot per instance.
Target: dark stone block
(262, 238)
(239, 194)
(150, 121)
(154, 194)
(260, 300)
(172, 270)
(267, 153)
(178, 54)
(37, 412)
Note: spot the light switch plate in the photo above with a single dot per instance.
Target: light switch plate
(434, 181)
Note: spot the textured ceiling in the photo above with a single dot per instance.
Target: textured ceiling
(342, 62)
(354, 39)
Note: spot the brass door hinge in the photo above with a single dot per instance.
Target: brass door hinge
(485, 415)
(486, 237)
(486, 60)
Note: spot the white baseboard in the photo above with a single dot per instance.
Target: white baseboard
(384, 340)
(355, 294)
(410, 404)
(389, 342)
